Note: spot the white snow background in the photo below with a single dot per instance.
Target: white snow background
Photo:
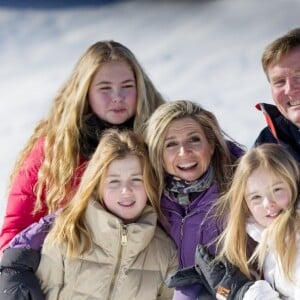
(206, 51)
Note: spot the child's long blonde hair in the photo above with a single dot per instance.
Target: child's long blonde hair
(62, 126)
(281, 236)
(70, 227)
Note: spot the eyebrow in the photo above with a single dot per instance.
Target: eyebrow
(252, 193)
(118, 175)
(256, 192)
(277, 77)
(189, 134)
(109, 82)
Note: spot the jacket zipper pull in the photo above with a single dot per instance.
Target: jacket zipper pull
(124, 236)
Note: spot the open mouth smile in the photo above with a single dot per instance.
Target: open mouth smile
(187, 166)
(126, 203)
(274, 215)
(294, 103)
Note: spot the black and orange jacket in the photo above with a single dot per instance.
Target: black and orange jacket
(279, 130)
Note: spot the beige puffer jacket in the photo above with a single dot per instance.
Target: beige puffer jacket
(126, 263)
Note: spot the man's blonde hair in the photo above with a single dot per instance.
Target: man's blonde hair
(279, 48)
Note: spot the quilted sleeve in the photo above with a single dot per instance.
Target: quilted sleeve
(21, 197)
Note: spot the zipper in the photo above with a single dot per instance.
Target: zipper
(119, 258)
(182, 224)
(124, 235)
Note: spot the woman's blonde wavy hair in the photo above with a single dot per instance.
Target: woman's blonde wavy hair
(70, 226)
(157, 127)
(62, 125)
(281, 235)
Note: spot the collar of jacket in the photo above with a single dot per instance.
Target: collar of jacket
(270, 112)
(107, 229)
(283, 130)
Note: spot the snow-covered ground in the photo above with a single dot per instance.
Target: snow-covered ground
(206, 51)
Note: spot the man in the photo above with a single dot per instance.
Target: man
(281, 63)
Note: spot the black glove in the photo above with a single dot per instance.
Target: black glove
(221, 278)
(184, 277)
(17, 275)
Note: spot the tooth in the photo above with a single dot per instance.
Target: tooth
(295, 102)
(186, 165)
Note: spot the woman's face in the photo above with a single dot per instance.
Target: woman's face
(113, 93)
(186, 151)
(267, 196)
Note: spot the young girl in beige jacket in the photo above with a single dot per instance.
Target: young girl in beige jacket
(107, 243)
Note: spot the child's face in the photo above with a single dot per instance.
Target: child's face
(124, 192)
(266, 195)
(112, 93)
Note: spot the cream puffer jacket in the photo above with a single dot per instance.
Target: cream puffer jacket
(126, 261)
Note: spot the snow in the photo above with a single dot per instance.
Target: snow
(205, 51)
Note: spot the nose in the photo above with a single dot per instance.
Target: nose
(184, 149)
(117, 95)
(125, 188)
(268, 202)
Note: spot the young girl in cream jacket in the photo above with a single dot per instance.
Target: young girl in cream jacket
(107, 244)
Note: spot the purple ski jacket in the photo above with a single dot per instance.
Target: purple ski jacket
(191, 225)
(196, 223)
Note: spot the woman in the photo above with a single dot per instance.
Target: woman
(193, 162)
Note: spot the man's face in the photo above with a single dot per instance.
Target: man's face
(284, 77)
